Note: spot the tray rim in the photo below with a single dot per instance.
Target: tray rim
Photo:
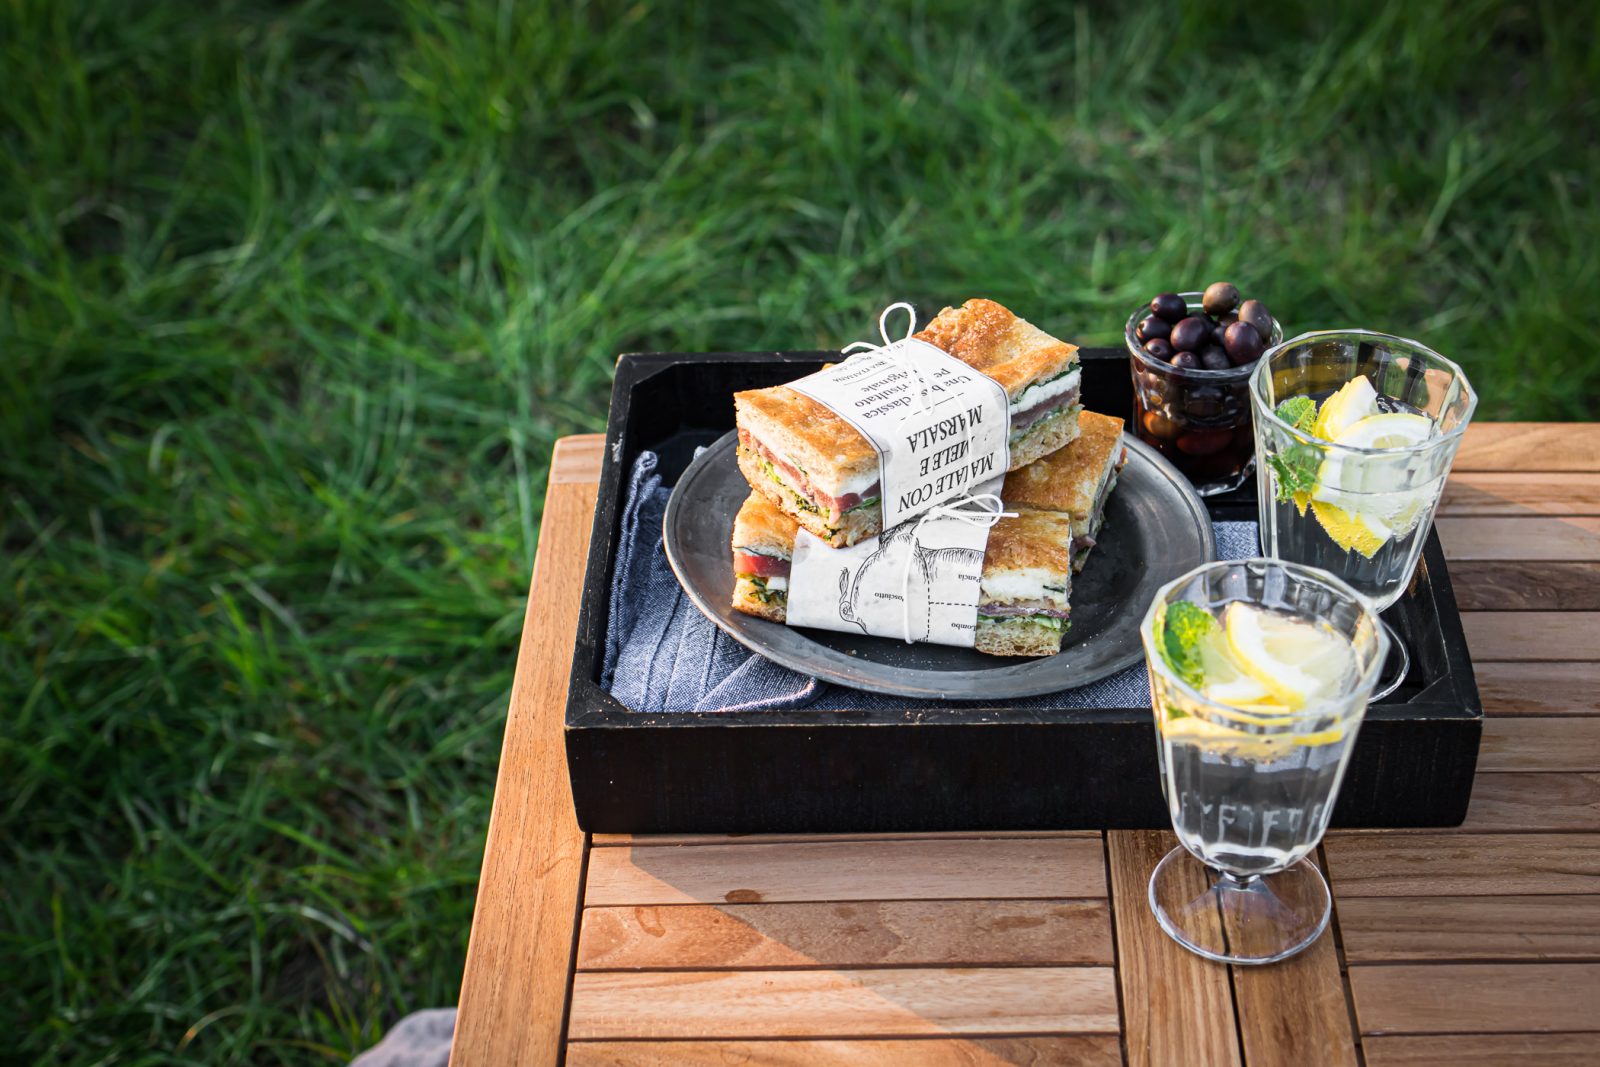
(1453, 697)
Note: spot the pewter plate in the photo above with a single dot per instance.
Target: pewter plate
(1155, 529)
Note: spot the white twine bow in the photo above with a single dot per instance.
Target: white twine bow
(990, 510)
(902, 360)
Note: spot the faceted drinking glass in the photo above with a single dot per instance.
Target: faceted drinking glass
(1250, 791)
(1368, 511)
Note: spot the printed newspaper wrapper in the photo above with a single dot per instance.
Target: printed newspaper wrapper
(931, 447)
(936, 563)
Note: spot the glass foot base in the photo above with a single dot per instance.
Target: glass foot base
(1395, 668)
(1231, 920)
(1227, 485)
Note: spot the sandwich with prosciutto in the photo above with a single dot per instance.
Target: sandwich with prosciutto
(819, 469)
(1024, 589)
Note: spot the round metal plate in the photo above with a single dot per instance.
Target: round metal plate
(1155, 529)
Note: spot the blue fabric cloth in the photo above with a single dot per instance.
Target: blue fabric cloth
(663, 655)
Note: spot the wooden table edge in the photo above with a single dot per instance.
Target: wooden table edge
(517, 980)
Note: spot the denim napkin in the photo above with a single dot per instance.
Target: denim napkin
(663, 655)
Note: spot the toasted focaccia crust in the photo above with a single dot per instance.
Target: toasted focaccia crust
(1033, 540)
(763, 526)
(806, 434)
(1016, 637)
(988, 337)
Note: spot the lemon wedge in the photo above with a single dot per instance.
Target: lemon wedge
(1298, 662)
(1225, 680)
(1369, 499)
(1392, 429)
(1355, 400)
(1352, 531)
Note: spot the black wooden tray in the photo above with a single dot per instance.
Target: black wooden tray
(946, 766)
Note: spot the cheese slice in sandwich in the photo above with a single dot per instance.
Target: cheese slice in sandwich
(820, 470)
(1077, 480)
(1024, 589)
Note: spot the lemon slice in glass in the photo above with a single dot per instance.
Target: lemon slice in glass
(1393, 429)
(1354, 401)
(1299, 662)
(1352, 531)
(1368, 499)
(1225, 680)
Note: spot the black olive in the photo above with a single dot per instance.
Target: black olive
(1220, 298)
(1154, 326)
(1255, 313)
(1185, 360)
(1159, 348)
(1242, 342)
(1169, 306)
(1214, 357)
(1190, 334)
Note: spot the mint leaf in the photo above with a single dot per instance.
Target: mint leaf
(1296, 468)
(1299, 412)
(1179, 631)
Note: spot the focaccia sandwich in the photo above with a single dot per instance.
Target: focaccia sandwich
(820, 470)
(1024, 589)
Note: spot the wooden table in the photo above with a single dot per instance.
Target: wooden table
(1472, 946)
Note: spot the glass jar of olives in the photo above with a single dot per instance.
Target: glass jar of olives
(1195, 408)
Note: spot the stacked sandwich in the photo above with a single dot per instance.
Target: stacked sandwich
(819, 469)
(810, 469)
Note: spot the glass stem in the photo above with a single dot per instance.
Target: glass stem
(1229, 880)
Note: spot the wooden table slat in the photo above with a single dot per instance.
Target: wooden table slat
(1555, 688)
(1532, 538)
(1524, 745)
(1530, 446)
(1481, 1050)
(1522, 585)
(888, 1002)
(576, 461)
(1366, 864)
(868, 933)
(1533, 802)
(1408, 929)
(1082, 1050)
(1532, 635)
(1294, 1013)
(1177, 1007)
(1476, 998)
(1501, 493)
(972, 868)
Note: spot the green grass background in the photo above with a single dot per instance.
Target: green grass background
(294, 299)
